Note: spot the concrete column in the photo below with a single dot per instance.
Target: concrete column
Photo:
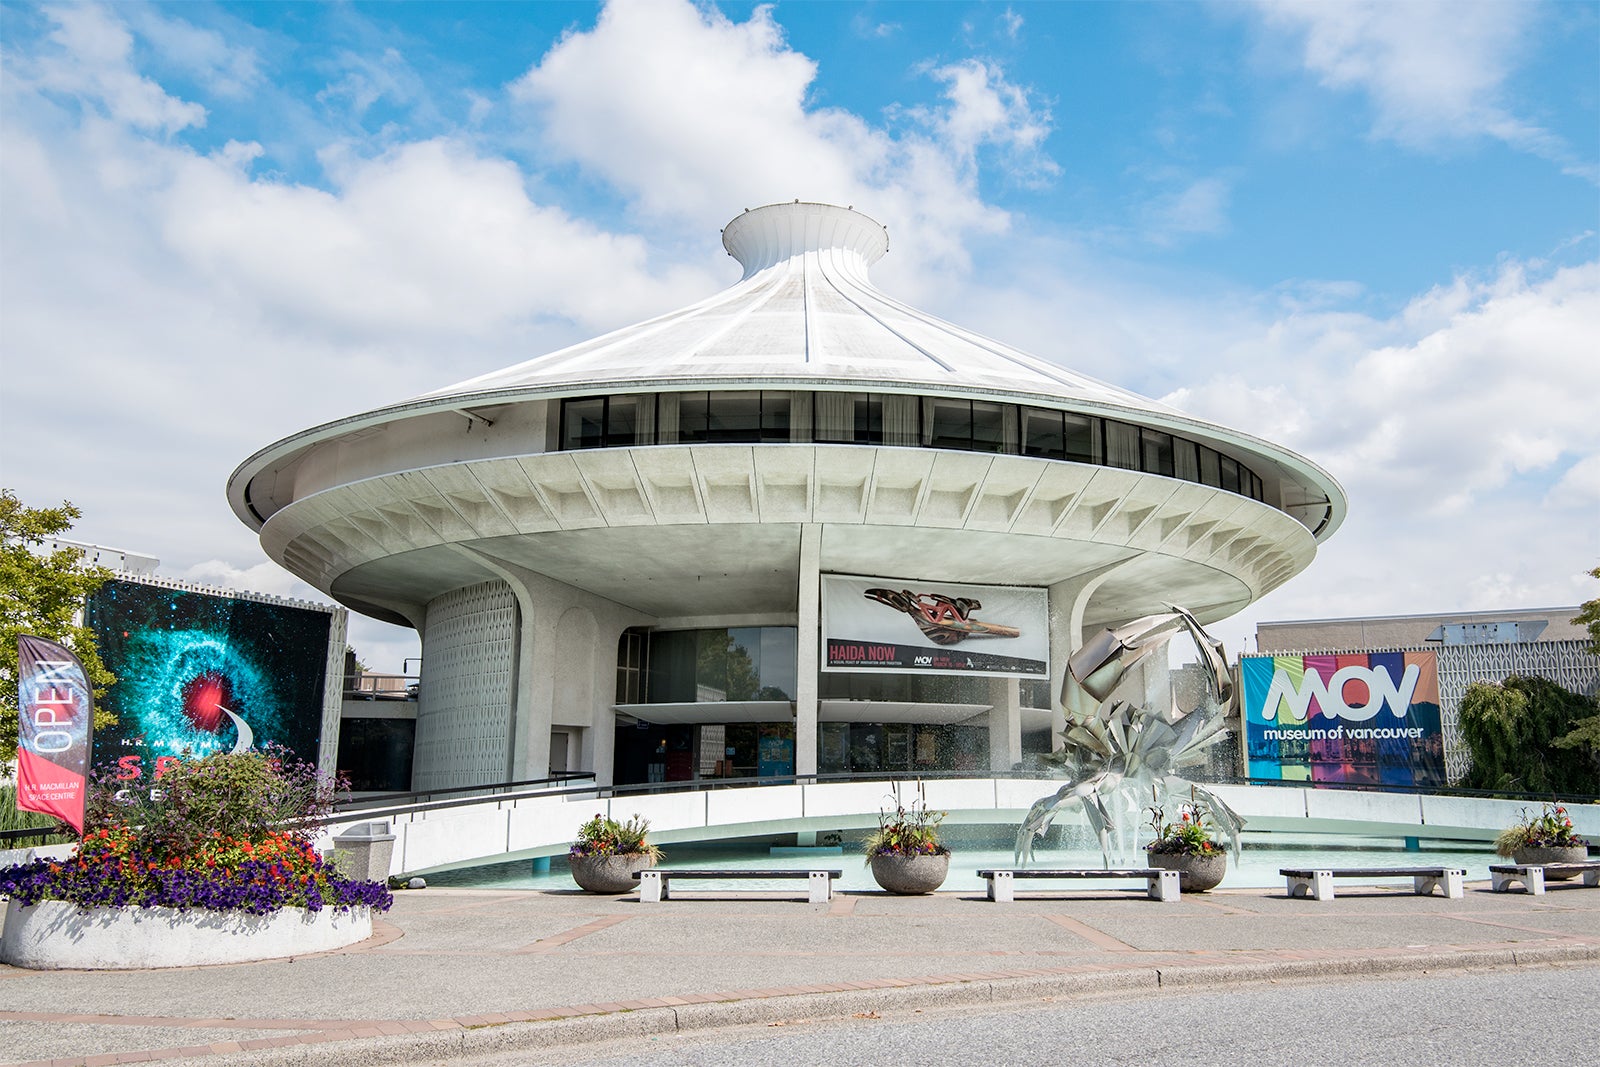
(1068, 603)
(535, 690)
(542, 601)
(809, 635)
(1005, 723)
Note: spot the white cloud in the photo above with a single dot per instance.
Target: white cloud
(368, 80)
(1434, 70)
(987, 109)
(862, 26)
(1199, 207)
(224, 69)
(1447, 425)
(427, 237)
(91, 62)
(693, 116)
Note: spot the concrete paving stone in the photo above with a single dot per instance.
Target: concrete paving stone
(622, 963)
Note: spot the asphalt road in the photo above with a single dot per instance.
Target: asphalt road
(1523, 1015)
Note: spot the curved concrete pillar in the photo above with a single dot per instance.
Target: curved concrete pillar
(1068, 603)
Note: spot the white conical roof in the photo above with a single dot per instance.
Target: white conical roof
(804, 316)
(805, 313)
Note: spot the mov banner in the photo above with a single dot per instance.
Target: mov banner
(1362, 717)
(55, 708)
(918, 627)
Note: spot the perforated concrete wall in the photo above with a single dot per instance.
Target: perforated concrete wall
(464, 715)
(1562, 662)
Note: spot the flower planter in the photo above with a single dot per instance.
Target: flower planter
(608, 873)
(910, 875)
(1196, 874)
(56, 935)
(1530, 855)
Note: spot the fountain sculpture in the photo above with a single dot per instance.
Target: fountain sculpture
(1119, 753)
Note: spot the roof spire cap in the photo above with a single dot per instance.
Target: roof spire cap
(765, 236)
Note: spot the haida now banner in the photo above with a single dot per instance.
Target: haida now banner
(927, 627)
(55, 708)
(1360, 717)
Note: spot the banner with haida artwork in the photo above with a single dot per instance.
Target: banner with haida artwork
(931, 627)
(1360, 717)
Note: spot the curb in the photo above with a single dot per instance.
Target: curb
(499, 1038)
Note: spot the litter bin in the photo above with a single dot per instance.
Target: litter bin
(363, 851)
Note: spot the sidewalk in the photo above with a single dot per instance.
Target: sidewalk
(457, 971)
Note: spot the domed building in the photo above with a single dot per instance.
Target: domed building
(682, 549)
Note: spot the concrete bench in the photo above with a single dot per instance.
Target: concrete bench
(1318, 884)
(1532, 875)
(1159, 885)
(655, 885)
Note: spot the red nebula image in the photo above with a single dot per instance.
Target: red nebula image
(205, 696)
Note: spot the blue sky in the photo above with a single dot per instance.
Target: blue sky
(1367, 231)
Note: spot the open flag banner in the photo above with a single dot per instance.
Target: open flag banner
(55, 707)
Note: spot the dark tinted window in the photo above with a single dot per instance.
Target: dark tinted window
(583, 422)
(1157, 452)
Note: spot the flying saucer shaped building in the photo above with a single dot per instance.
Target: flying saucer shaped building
(796, 527)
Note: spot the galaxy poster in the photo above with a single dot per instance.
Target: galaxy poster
(199, 673)
(930, 627)
(55, 720)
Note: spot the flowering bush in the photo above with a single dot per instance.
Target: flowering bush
(1550, 829)
(1189, 836)
(910, 831)
(225, 874)
(230, 832)
(601, 836)
(244, 795)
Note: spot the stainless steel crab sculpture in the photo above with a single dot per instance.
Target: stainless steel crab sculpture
(1125, 752)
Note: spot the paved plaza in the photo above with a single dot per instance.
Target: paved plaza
(453, 972)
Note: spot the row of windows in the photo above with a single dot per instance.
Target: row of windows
(697, 666)
(766, 416)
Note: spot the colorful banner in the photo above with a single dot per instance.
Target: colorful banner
(55, 707)
(1369, 718)
(919, 627)
(199, 673)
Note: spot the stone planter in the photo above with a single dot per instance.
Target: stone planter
(1196, 874)
(608, 874)
(56, 935)
(1541, 856)
(910, 875)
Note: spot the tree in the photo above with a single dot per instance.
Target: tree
(1529, 735)
(1589, 617)
(41, 593)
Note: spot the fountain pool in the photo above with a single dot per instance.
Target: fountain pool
(1264, 854)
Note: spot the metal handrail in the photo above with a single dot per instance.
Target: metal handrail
(423, 796)
(27, 832)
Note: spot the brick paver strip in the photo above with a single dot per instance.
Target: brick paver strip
(545, 944)
(1097, 938)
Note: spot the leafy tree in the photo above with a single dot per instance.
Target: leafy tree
(41, 594)
(1589, 617)
(1530, 735)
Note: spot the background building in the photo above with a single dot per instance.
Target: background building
(626, 556)
(1470, 647)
